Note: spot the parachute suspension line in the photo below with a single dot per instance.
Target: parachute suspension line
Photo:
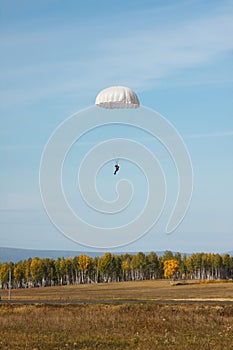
(117, 97)
(115, 158)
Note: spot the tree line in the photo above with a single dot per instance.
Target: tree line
(37, 272)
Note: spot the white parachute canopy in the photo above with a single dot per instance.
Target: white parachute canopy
(117, 97)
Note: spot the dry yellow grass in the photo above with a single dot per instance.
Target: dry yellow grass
(141, 326)
(146, 290)
(124, 325)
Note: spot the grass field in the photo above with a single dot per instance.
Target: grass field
(140, 325)
(158, 289)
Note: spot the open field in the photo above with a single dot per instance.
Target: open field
(119, 325)
(142, 326)
(141, 290)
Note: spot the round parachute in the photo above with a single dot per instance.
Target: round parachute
(117, 97)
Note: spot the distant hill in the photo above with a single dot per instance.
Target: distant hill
(230, 253)
(15, 254)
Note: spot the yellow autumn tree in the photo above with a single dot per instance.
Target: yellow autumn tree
(125, 265)
(19, 273)
(84, 262)
(107, 266)
(170, 267)
(126, 268)
(37, 271)
(4, 274)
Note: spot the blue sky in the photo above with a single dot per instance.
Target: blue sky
(176, 55)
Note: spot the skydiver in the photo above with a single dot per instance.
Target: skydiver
(116, 169)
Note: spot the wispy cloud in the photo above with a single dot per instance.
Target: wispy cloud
(139, 57)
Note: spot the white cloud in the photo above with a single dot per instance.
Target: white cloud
(138, 58)
(155, 53)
